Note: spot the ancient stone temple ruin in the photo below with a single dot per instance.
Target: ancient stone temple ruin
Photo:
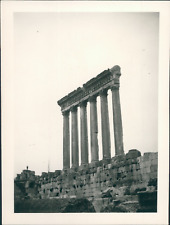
(98, 86)
(123, 183)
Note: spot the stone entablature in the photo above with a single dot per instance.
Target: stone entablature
(106, 80)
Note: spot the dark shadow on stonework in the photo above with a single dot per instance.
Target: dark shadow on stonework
(147, 201)
(52, 205)
(79, 205)
(116, 209)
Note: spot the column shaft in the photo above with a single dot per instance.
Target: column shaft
(84, 133)
(117, 122)
(74, 139)
(94, 130)
(105, 125)
(66, 141)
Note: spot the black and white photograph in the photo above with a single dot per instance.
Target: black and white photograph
(85, 113)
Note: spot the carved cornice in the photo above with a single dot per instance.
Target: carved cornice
(116, 70)
(116, 74)
(105, 80)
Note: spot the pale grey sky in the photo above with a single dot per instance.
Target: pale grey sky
(54, 53)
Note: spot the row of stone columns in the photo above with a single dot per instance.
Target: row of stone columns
(106, 145)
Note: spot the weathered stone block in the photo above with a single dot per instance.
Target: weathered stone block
(145, 177)
(149, 156)
(154, 162)
(153, 174)
(105, 162)
(133, 153)
(118, 158)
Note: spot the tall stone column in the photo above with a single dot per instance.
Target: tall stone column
(94, 129)
(66, 140)
(117, 118)
(84, 133)
(105, 125)
(117, 121)
(74, 138)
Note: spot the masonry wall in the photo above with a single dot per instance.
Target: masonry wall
(123, 175)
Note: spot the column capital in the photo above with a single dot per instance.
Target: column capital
(73, 109)
(93, 98)
(83, 104)
(103, 92)
(65, 113)
(114, 87)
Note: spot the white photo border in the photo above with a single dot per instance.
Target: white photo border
(8, 215)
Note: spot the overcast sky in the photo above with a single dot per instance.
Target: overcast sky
(54, 53)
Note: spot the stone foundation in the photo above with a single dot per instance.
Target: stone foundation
(122, 174)
(106, 183)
